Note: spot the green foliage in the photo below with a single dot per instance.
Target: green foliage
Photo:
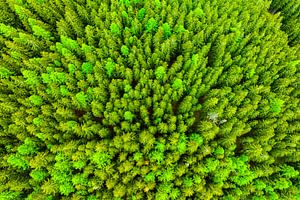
(10, 195)
(167, 30)
(110, 67)
(188, 182)
(57, 63)
(161, 196)
(79, 179)
(128, 116)
(124, 50)
(58, 77)
(156, 156)
(5, 73)
(259, 184)
(37, 121)
(289, 171)
(177, 84)
(71, 68)
(49, 187)
(141, 14)
(69, 43)
(137, 156)
(160, 72)
(160, 147)
(276, 105)
(39, 31)
(151, 25)
(81, 98)
(38, 175)
(8, 31)
(115, 29)
(127, 88)
(31, 78)
(101, 159)
(36, 100)
(29, 147)
(66, 189)
(87, 68)
(182, 144)
(150, 177)
(197, 179)
(166, 176)
(282, 184)
(211, 164)
(244, 174)
(79, 164)
(18, 161)
(134, 99)
(64, 90)
(219, 151)
(175, 193)
(180, 29)
(289, 11)
(54, 77)
(92, 197)
(198, 12)
(197, 138)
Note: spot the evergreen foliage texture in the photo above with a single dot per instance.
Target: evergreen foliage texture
(141, 99)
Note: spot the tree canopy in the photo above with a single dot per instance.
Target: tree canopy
(136, 99)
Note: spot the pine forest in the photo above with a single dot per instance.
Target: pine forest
(150, 99)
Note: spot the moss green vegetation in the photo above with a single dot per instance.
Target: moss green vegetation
(140, 99)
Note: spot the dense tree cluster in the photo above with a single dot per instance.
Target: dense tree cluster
(140, 99)
(290, 10)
